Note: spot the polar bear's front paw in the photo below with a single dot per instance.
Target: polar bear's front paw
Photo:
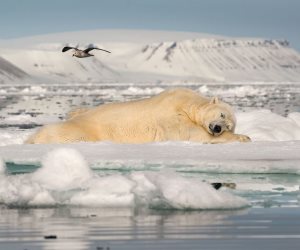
(243, 138)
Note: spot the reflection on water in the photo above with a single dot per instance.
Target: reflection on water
(80, 228)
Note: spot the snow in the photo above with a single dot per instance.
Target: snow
(9, 71)
(263, 125)
(255, 157)
(12, 136)
(62, 169)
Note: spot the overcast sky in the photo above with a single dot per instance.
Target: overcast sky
(251, 18)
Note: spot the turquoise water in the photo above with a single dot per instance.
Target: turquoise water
(15, 168)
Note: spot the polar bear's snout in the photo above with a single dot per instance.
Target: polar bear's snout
(216, 128)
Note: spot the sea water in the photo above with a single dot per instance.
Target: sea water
(151, 196)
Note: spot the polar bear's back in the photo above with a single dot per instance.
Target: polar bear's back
(137, 121)
(165, 104)
(158, 118)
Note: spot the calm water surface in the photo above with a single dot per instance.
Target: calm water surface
(78, 228)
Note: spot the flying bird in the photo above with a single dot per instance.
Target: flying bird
(82, 53)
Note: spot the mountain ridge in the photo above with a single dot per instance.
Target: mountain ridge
(10, 72)
(199, 59)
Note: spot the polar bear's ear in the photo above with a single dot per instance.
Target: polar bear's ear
(214, 100)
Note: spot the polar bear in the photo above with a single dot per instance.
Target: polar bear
(176, 114)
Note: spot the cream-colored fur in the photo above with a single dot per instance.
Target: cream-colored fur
(178, 114)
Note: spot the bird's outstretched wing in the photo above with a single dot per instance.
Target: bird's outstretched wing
(89, 49)
(68, 48)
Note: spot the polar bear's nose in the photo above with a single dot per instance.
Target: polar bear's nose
(215, 128)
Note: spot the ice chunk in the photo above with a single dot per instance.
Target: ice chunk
(108, 191)
(172, 191)
(65, 179)
(62, 169)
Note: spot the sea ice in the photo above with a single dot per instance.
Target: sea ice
(169, 190)
(66, 179)
(63, 169)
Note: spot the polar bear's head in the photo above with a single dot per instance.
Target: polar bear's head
(217, 117)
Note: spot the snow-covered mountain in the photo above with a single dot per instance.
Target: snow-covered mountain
(55, 66)
(9, 72)
(223, 59)
(149, 56)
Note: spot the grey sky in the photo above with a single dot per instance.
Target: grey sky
(252, 18)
